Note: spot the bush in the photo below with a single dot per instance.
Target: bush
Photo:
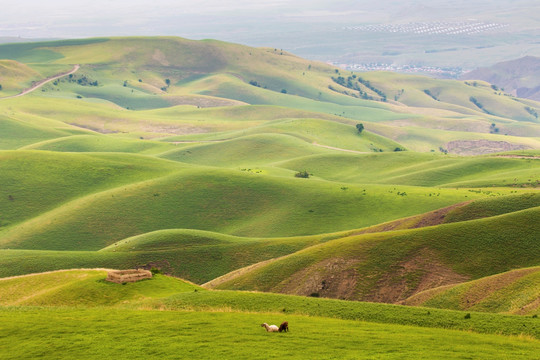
(302, 174)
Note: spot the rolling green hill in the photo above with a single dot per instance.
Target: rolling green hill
(391, 266)
(514, 292)
(87, 289)
(186, 155)
(165, 71)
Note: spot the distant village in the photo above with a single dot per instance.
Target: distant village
(432, 28)
(446, 72)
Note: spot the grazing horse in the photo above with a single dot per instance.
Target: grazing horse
(270, 328)
(284, 326)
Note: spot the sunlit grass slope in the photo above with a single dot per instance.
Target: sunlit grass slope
(101, 143)
(227, 201)
(409, 168)
(16, 134)
(392, 266)
(84, 288)
(125, 334)
(202, 256)
(32, 182)
(15, 76)
(338, 134)
(199, 256)
(88, 288)
(162, 72)
(513, 292)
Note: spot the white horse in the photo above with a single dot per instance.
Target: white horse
(270, 328)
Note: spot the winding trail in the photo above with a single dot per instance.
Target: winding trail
(43, 82)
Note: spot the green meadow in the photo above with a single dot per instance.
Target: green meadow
(123, 320)
(245, 172)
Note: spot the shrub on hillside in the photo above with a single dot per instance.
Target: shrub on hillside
(302, 174)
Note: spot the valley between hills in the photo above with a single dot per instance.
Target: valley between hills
(261, 186)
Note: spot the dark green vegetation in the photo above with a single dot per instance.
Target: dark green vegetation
(189, 157)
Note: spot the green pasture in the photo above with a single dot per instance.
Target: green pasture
(514, 292)
(473, 249)
(88, 289)
(60, 177)
(123, 334)
(410, 168)
(227, 201)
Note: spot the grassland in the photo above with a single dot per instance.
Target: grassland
(513, 292)
(391, 266)
(182, 155)
(115, 315)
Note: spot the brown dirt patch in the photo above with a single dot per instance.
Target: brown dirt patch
(332, 278)
(487, 286)
(431, 218)
(529, 308)
(479, 147)
(420, 272)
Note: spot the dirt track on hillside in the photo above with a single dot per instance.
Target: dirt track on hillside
(43, 82)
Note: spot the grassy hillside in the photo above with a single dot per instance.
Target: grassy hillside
(34, 182)
(231, 202)
(392, 266)
(163, 72)
(60, 289)
(182, 155)
(83, 288)
(409, 168)
(513, 292)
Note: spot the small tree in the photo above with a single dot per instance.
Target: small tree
(360, 128)
(283, 91)
(168, 82)
(0, 87)
(302, 174)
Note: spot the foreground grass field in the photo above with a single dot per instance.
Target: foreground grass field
(125, 334)
(121, 322)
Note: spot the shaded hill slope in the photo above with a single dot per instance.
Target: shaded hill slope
(513, 292)
(391, 266)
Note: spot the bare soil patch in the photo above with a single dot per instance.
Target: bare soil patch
(332, 278)
(480, 147)
(420, 272)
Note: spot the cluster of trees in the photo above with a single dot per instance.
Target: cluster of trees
(302, 174)
(367, 84)
(479, 105)
(493, 129)
(527, 109)
(82, 80)
(352, 83)
(428, 93)
(167, 83)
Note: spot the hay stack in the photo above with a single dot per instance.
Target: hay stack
(124, 276)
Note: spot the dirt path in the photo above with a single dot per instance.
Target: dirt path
(339, 149)
(43, 82)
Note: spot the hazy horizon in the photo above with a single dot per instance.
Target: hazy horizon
(320, 29)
